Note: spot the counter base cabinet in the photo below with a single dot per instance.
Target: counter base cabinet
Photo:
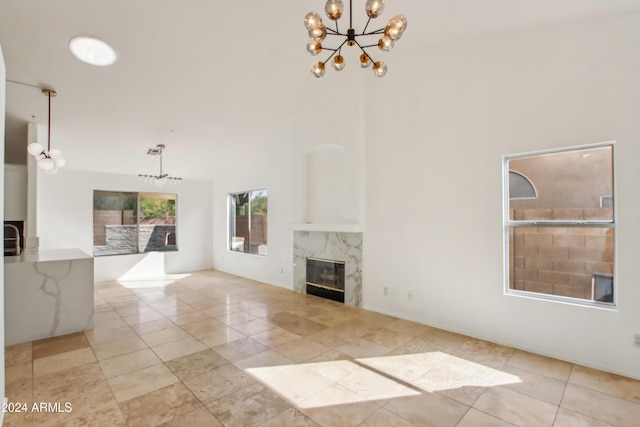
(47, 297)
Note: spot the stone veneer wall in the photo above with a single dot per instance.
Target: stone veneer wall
(111, 217)
(123, 239)
(559, 260)
(336, 246)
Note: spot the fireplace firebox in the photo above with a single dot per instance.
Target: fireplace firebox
(325, 278)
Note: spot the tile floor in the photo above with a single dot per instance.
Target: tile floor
(211, 349)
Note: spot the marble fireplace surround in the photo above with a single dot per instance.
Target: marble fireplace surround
(330, 245)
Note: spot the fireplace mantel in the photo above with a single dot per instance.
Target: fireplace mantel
(343, 227)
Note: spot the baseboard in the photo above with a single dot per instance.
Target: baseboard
(576, 361)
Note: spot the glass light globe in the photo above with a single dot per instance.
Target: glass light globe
(314, 47)
(338, 63)
(385, 44)
(318, 69)
(52, 171)
(312, 19)
(35, 149)
(392, 33)
(374, 8)
(57, 157)
(46, 164)
(379, 69)
(400, 22)
(318, 32)
(364, 60)
(395, 28)
(55, 154)
(60, 161)
(334, 9)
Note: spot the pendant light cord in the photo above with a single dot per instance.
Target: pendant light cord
(350, 14)
(49, 125)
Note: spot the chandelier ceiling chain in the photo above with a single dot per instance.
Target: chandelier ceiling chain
(334, 9)
(162, 179)
(49, 160)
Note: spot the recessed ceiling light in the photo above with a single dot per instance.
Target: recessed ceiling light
(92, 51)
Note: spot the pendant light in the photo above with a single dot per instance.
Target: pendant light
(49, 160)
(162, 179)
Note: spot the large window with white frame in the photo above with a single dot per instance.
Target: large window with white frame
(559, 228)
(248, 222)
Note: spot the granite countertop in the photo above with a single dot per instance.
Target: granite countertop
(32, 256)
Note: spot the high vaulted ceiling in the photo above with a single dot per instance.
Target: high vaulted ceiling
(210, 79)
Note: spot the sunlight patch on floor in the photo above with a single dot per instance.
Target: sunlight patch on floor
(165, 281)
(319, 384)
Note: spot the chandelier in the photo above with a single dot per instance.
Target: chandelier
(334, 9)
(49, 160)
(162, 179)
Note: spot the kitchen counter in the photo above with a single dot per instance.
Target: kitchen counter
(47, 293)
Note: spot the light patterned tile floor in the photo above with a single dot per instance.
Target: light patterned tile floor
(212, 349)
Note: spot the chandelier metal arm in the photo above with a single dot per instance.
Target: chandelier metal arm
(334, 50)
(166, 175)
(364, 51)
(366, 25)
(332, 32)
(371, 33)
(362, 47)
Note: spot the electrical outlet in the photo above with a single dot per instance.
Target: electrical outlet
(636, 340)
(410, 295)
(386, 290)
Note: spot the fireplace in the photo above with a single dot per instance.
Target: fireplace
(325, 278)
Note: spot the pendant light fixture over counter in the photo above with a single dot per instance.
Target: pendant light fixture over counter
(49, 160)
(334, 9)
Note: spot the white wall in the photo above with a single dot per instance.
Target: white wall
(434, 181)
(65, 220)
(2, 115)
(329, 115)
(15, 192)
(270, 168)
(328, 150)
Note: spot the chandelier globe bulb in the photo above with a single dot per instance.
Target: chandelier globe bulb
(374, 8)
(338, 63)
(364, 60)
(334, 9)
(311, 20)
(318, 69)
(379, 69)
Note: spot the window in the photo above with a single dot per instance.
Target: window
(559, 243)
(248, 222)
(129, 223)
